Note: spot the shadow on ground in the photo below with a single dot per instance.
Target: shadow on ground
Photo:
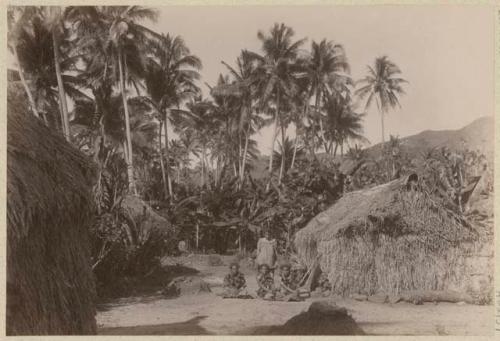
(189, 327)
(146, 289)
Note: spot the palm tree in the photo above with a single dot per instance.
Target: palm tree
(199, 121)
(179, 154)
(383, 83)
(171, 72)
(277, 71)
(103, 143)
(34, 49)
(393, 152)
(243, 88)
(54, 21)
(127, 35)
(342, 124)
(17, 17)
(326, 63)
(116, 45)
(289, 148)
(356, 153)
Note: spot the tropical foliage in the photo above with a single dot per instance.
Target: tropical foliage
(132, 100)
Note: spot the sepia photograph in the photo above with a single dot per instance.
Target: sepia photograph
(250, 170)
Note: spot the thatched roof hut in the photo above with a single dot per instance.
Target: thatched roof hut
(390, 238)
(50, 285)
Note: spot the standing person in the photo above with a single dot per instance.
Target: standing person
(266, 251)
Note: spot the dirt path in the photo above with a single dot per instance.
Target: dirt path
(208, 313)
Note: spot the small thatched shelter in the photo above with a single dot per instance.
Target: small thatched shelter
(136, 209)
(50, 285)
(391, 238)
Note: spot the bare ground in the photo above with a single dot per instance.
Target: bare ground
(207, 313)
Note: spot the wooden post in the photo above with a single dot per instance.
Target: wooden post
(197, 235)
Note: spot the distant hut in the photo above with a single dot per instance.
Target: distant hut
(50, 286)
(390, 239)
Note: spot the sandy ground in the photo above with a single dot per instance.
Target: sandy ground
(207, 313)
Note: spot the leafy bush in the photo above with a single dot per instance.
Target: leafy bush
(124, 246)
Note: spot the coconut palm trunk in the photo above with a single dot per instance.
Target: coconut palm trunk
(275, 134)
(167, 157)
(321, 129)
(382, 125)
(130, 155)
(203, 166)
(309, 141)
(235, 170)
(60, 87)
(295, 143)
(240, 152)
(162, 164)
(245, 152)
(25, 84)
(283, 151)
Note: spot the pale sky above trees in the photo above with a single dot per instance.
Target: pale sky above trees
(445, 52)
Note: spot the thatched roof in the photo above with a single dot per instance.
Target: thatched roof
(136, 208)
(389, 238)
(355, 208)
(50, 286)
(46, 175)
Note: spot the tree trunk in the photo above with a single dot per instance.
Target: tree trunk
(60, 87)
(125, 152)
(244, 161)
(294, 149)
(275, 133)
(203, 167)
(167, 157)
(308, 145)
(321, 129)
(130, 154)
(240, 151)
(282, 169)
(26, 87)
(197, 236)
(235, 169)
(283, 147)
(239, 242)
(162, 165)
(383, 128)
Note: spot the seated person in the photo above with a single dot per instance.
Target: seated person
(234, 282)
(287, 286)
(298, 274)
(324, 284)
(265, 282)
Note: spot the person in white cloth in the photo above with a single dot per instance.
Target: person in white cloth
(266, 251)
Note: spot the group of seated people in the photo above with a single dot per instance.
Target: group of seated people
(286, 288)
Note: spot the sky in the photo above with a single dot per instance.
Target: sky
(445, 52)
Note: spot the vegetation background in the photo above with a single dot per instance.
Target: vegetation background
(177, 164)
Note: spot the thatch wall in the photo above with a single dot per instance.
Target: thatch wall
(50, 285)
(391, 239)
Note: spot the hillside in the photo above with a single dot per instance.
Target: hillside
(478, 135)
